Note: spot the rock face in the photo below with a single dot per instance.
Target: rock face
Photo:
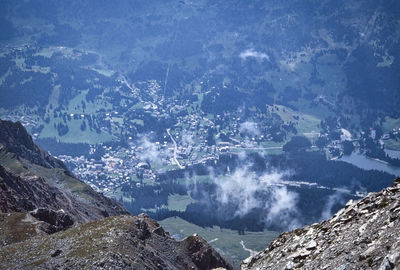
(363, 235)
(21, 194)
(51, 220)
(30, 178)
(55, 220)
(15, 139)
(122, 242)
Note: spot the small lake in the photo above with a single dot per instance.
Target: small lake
(367, 163)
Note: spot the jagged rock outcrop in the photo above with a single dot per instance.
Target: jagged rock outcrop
(15, 139)
(55, 220)
(122, 242)
(51, 220)
(30, 179)
(21, 194)
(363, 235)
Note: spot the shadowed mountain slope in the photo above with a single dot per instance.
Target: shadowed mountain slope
(49, 220)
(30, 178)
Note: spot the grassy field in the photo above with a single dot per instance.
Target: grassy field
(196, 179)
(16, 227)
(307, 124)
(75, 134)
(178, 202)
(227, 242)
(390, 124)
(392, 145)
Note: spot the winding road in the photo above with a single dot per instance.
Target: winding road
(175, 150)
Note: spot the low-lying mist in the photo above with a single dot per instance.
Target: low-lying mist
(248, 191)
(252, 191)
(245, 195)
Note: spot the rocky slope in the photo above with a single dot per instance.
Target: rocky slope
(15, 139)
(122, 242)
(51, 220)
(30, 178)
(363, 235)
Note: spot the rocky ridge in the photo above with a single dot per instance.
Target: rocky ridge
(30, 179)
(51, 220)
(15, 139)
(121, 242)
(363, 235)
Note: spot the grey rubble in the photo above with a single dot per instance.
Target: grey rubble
(118, 242)
(363, 235)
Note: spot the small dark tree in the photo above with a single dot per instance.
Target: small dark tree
(83, 125)
(348, 147)
(321, 142)
(210, 137)
(297, 144)
(62, 129)
(335, 135)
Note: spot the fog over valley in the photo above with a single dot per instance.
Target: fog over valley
(237, 119)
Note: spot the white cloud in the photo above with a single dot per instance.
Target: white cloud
(240, 189)
(148, 151)
(331, 201)
(254, 54)
(249, 128)
(248, 192)
(282, 206)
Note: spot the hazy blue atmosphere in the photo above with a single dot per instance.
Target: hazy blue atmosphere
(254, 116)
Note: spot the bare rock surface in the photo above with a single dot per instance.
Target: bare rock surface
(363, 235)
(32, 179)
(15, 139)
(51, 220)
(121, 242)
